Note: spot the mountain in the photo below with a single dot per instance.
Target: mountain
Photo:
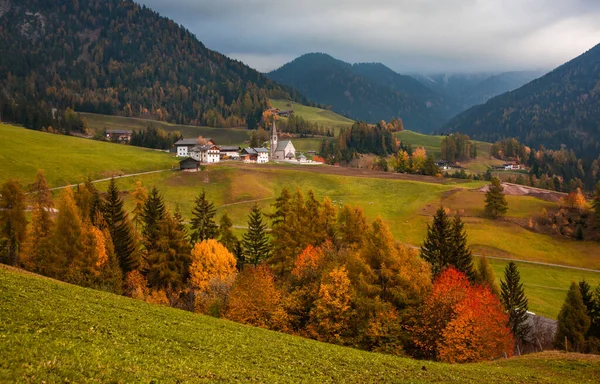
(120, 58)
(367, 91)
(473, 89)
(562, 107)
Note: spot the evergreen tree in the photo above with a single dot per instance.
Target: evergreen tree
(486, 277)
(152, 215)
(180, 222)
(140, 195)
(515, 302)
(13, 222)
(436, 248)
(460, 254)
(592, 305)
(169, 261)
(203, 219)
(256, 240)
(119, 228)
(495, 201)
(226, 236)
(573, 322)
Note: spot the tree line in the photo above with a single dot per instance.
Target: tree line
(320, 271)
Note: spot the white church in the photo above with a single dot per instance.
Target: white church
(281, 150)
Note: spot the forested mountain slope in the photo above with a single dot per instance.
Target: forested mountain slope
(368, 91)
(117, 57)
(562, 107)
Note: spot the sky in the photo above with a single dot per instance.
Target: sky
(409, 36)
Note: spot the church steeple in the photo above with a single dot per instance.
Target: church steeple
(274, 140)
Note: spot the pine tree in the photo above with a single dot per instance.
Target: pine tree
(226, 236)
(13, 222)
(256, 240)
(590, 300)
(67, 245)
(486, 277)
(152, 215)
(140, 195)
(37, 246)
(203, 219)
(495, 201)
(436, 248)
(573, 322)
(119, 228)
(515, 302)
(460, 254)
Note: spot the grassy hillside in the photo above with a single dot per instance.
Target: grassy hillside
(223, 136)
(55, 332)
(67, 159)
(316, 115)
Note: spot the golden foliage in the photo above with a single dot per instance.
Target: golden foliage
(210, 260)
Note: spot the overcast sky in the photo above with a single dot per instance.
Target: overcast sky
(425, 36)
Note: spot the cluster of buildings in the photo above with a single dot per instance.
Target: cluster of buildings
(201, 150)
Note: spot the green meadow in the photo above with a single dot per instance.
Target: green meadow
(319, 116)
(55, 332)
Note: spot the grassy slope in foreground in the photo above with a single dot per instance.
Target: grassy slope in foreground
(56, 332)
(67, 159)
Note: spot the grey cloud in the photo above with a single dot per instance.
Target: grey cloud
(407, 35)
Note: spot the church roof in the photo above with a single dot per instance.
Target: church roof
(282, 144)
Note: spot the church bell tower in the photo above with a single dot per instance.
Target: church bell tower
(274, 139)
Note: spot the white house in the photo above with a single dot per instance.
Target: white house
(230, 152)
(208, 153)
(184, 146)
(255, 155)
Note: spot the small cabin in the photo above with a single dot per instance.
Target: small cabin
(189, 165)
(118, 135)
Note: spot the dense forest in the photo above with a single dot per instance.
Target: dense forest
(560, 108)
(119, 58)
(368, 91)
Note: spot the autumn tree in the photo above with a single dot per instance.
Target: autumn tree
(212, 273)
(256, 241)
(495, 201)
(119, 227)
(418, 159)
(485, 276)
(575, 200)
(13, 223)
(203, 219)
(37, 246)
(331, 314)
(573, 322)
(255, 300)
(140, 195)
(515, 303)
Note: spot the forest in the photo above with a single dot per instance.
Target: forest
(322, 272)
(120, 58)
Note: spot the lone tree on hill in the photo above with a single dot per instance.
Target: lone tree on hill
(495, 201)
(256, 240)
(573, 322)
(515, 302)
(446, 245)
(203, 219)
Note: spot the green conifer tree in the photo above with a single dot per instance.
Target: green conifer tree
(152, 215)
(226, 235)
(515, 302)
(120, 228)
(495, 201)
(573, 322)
(592, 304)
(203, 219)
(436, 248)
(256, 240)
(460, 254)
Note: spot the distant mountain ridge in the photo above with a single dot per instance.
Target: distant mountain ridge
(117, 57)
(562, 107)
(366, 91)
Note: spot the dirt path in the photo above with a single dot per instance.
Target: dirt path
(108, 178)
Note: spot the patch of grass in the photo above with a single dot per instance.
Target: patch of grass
(222, 136)
(546, 287)
(55, 332)
(68, 159)
(322, 117)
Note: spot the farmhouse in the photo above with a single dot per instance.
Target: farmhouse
(208, 153)
(183, 146)
(230, 152)
(255, 155)
(118, 134)
(281, 150)
(189, 165)
(512, 166)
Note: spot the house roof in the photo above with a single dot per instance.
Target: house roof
(302, 157)
(193, 141)
(189, 160)
(282, 144)
(255, 151)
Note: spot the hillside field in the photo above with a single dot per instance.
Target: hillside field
(56, 332)
(322, 117)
